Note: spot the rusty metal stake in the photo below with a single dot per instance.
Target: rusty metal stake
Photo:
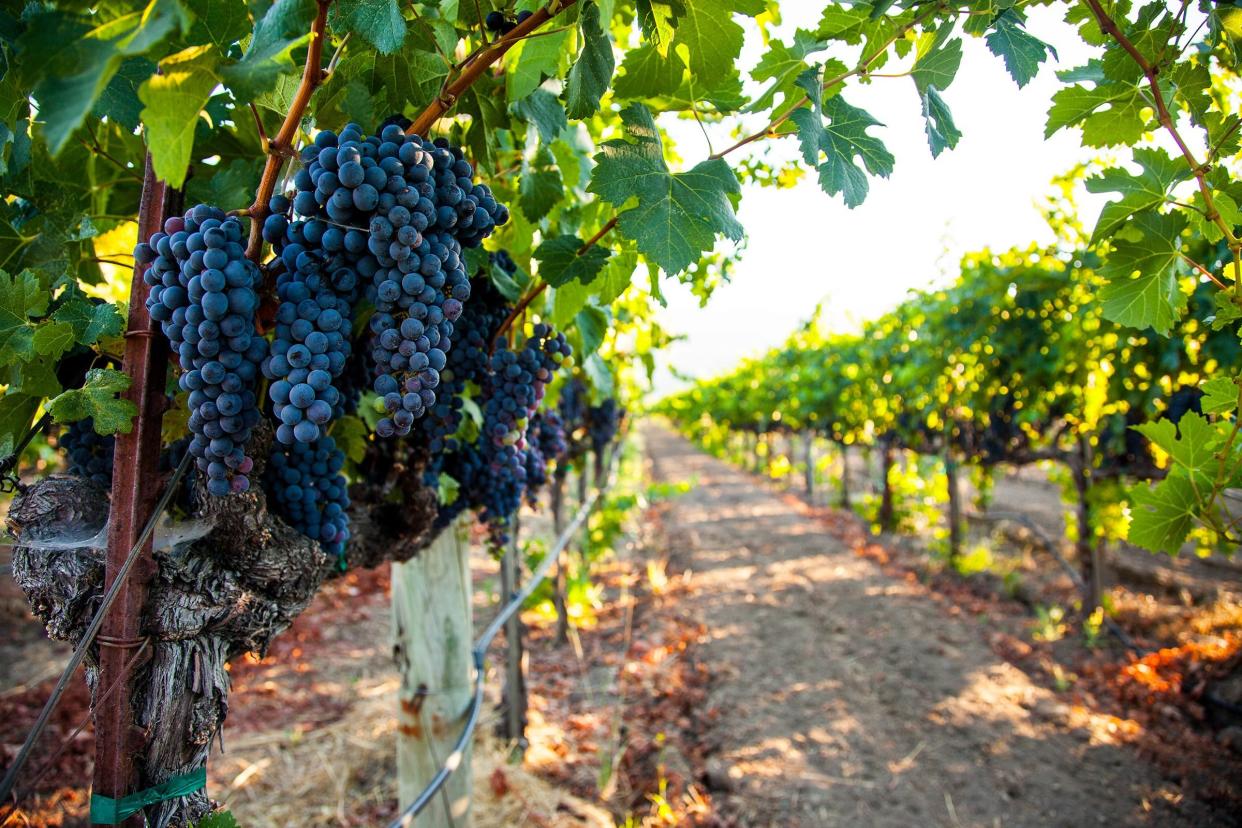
(135, 489)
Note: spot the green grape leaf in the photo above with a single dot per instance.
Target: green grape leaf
(598, 373)
(544, 112)
(219, 22)
(539, 191)
(21, 297)
(592, 325)
(82, 69)
(1142, 290)
(52, 339)
(1191, 443)
(938, 67)
(534, 60)
(841, 141)
(89, 320)
(1162, 515)
(783, 65)
(98, 399)
(648, 74)
(588, 79)
(447, 489)
(942, 133)
(350, 434)
(119, 99)
(16, 412)
(1138, 192)
(561, 262)
(1021, 51)
(677, 215)
(173, 102)
(712, 40)
(284, 27)
(1220, 395)
(568, 299)
(1108, 114)
(378, 22)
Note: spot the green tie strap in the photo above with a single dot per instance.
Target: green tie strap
(108, 811)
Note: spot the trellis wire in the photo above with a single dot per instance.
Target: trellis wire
(406, 817)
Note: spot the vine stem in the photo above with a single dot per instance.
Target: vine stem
(281, 147)
(1151, 72)
(538, 289)
(769, 131)
(474, 68)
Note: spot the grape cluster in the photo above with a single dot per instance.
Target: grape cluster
(468, 362)
(602, 423)
(383, 217)
(204, 294)
(545, 439)
(499, 22)
(310, 492)
(572, 405)
(89, 454)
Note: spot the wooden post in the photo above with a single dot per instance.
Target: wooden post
(808, 458)
(1087, 550)
(432, 627)
(886, 491)
(845, 475)
(584, 545)
(955, 505)
(513, 725)
(119, 746)
(557, 498)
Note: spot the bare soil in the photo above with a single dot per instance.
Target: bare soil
(847, 697)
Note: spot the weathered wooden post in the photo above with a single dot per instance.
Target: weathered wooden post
(808, 458)
(558, 524)
(432, 628)
(513, 703)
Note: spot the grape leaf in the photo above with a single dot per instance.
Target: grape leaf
(1021, 51)
(119, 99)
(350, 434)
(677, 215)
(648, 74)
(89, 321)
(1142, 289)
(1191, 443)
(532, 61)
(97, 399)
(173, 101)
(542, 110)
(591, 72)
(843, 139)
(285, 26)
(712, 40)
(539, 190)
(16, 412)
(560, 261)
(1108, 114)
(1220, 395)
(21, 297)
(938, 67)
(592, 325)
(1161, 516)
(783, 65)
(219, 22)
(1138, 192)
(568, 299)
(942, 133)
(379, 22)
(81, 70)
(52, 339)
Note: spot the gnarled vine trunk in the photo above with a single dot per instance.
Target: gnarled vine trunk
(213, 598)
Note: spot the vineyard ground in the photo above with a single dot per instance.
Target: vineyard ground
(849, 697)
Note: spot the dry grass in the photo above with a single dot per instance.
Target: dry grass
(344, 774)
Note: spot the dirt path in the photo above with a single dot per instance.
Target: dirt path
(849, 698)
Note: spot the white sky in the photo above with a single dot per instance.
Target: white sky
(804, 247)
